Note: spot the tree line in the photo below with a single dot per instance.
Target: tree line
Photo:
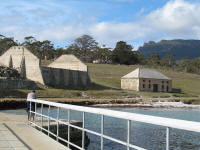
(87, 49)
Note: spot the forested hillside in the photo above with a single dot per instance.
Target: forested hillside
(179, 48)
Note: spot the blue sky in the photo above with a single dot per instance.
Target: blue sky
(108, 21)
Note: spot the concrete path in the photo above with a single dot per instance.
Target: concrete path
(16, 134)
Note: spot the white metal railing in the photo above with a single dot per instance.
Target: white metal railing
(165, 122)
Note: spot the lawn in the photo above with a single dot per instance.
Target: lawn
(106, 85)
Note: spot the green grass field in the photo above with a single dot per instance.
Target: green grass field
(106, 85)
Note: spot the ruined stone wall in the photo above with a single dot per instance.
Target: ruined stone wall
(32, 63)
(130, 84)
(62, 77)
(66, 71)
(17, 84)
(163, 85)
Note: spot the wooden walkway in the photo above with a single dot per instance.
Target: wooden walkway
(16, 134)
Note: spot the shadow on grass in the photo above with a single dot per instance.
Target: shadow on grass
(92, 86)
(5, 93)
(176, 90)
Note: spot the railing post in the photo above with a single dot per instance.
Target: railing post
(49, 119)
(30, 113)
(102, 130)
(167, 138)
(83, 132)
(58, 114)
(68, 128)
(128, 133)
(41, 116)
(35, 115)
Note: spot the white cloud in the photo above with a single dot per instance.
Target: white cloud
(113, 32)
(177, 19)
(176, 15)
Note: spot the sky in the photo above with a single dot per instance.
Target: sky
(107, 21)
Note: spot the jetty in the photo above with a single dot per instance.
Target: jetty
(17, 134)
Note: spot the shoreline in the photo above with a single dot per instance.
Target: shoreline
(17, 103)
(149, 105)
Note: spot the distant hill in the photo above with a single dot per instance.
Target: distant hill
(179, 48)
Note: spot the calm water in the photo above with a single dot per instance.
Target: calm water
(144, 135)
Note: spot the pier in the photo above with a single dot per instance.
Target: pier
(17, 134)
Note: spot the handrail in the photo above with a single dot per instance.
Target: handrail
(166, 122)
(161, 121)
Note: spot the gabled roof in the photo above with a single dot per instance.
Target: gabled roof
(69, 62)
(146, 73)
(66, 59)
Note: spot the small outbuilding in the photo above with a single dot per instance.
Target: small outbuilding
(144, 79)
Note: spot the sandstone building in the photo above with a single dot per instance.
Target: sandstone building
(143, 79)
(65, 71)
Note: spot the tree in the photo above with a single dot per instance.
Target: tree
(104, 55)
(166, 60)
(6, 43)
(123, 54)
(153, 59)
(33, 45)
(42, 49)
(47, 50)
(85, 44)
(194, 66)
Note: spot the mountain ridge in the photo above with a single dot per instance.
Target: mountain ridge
(180, 48)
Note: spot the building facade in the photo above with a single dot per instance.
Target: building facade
(143, 79)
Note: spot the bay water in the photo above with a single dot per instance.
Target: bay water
(147, 136)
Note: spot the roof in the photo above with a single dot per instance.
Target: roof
(66, 58)
(69, 62)
(146, 73)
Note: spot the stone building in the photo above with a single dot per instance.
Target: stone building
(59, 73)
(143, 79)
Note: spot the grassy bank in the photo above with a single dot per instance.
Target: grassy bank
(106, 85)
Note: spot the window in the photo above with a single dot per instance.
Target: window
(167, 81)
(149, 81)
(162, 86)
(149, 85)
(143, 86)
(143, 80)
(162, 81)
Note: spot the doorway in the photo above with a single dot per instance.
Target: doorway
(155, 87)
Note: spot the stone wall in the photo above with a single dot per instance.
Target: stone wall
(32, 63)
(146, 84)
(130, 84)
(163, 85)
(67, 70)
(62, 77)
(17, 84)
